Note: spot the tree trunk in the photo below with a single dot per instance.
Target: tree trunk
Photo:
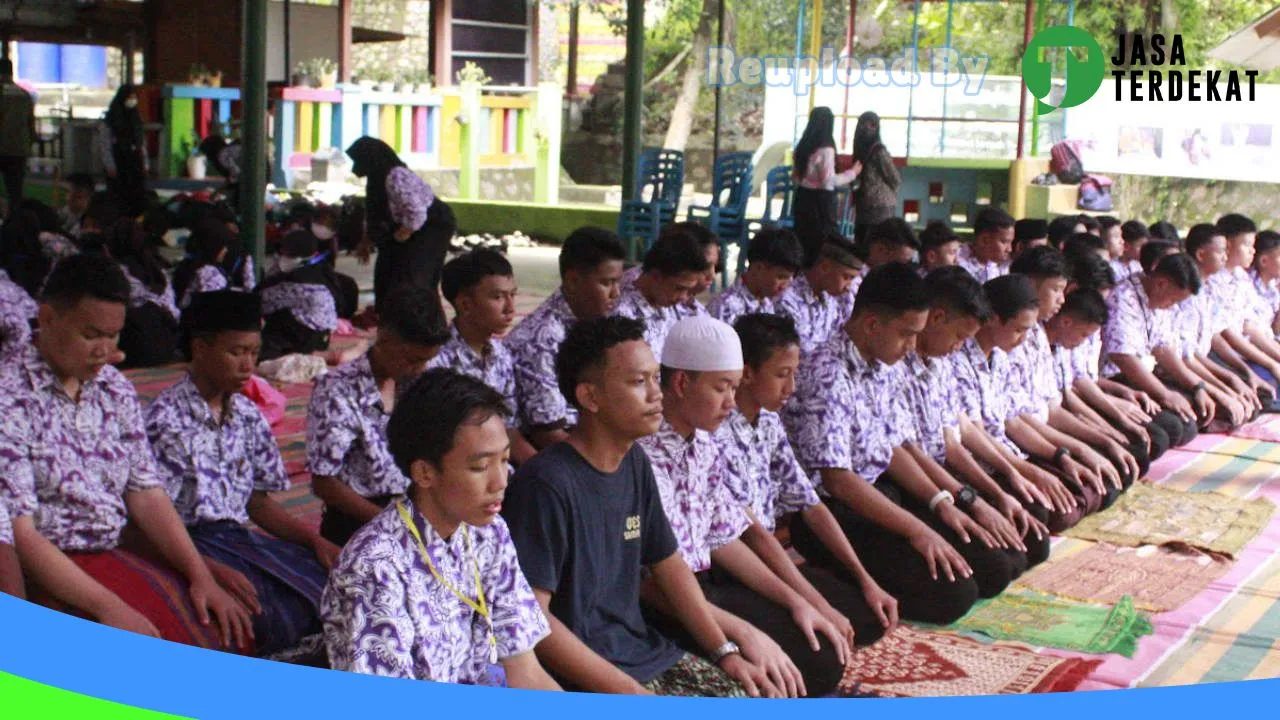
(682, 114)
(1168, 15)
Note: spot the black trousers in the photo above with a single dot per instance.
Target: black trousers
(337, 527)
(902, 571)
(282, 334)
(417, 261)
(821, 670)
(1179, 431)
(814, 212)
(14, 171)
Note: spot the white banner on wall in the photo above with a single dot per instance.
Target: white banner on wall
(1210, 140)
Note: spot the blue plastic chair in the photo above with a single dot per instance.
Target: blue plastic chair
(726, 216)
(659, 182)
(780, 187)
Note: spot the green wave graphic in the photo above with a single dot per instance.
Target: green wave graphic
(24, 699)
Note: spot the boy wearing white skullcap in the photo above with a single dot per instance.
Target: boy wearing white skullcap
(701, 369)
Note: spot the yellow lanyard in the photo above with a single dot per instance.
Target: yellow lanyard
(479, 604)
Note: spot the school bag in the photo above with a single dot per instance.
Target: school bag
(1065, 162)
(1095, 194)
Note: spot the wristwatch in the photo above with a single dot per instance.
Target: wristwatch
(966, 497)
(1061, 455)
(1199, 386)
(728, 648)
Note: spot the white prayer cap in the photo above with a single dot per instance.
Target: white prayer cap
(702, 344)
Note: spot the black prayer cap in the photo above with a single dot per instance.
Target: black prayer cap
(222, 311)
(1030, 229)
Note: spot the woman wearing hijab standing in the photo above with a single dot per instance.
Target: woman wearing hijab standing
(124, 152)
(816, 178)
(410, 226)
(877, 195)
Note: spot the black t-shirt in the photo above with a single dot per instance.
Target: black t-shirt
(584, 536)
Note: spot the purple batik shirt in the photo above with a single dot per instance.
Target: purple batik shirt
(495, 367)
(17, 309)
(70, 463)
(1080, 362)
(140, 295)
(817, 316)
(1123, 269)
(1193, 323)
(1033, 388)
(209, 278)
(209, 468)
(931, 400)
(1228, 293)
(763, 472)
(347, 432)
(657, 321)
(386, 614)
(847, 412)
(1264, 301)
(312, 305)
(1134, 327)
(692, 480)
(535, 343)
(984, 271)
(409, 197)
(982, 388)
(6, 524)
(737, 301)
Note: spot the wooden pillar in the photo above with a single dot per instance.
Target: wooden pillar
(345, 61)
(571, 85)
(442, 42)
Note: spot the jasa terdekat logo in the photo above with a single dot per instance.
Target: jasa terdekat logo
(1147, 69)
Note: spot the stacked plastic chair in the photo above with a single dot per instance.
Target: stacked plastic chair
(780, 187)
(659, 182)
(726, 216)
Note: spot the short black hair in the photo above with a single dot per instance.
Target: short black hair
(1090, 272)
(1199, 236)
(588, 247)
(1267, 241)
(676, 253)
(1082, 244)
(1153, 251)
(1106, 222)
(1134, 231)
(81, 181)
(700, 232)
(955, 290)
(991, 218)
(427, 416)
(469, 269)
(839, 249)
(935, 235)
(891, 290)
(414, 315)
(1061, 228)
(1165, 231)
(1042, 262)
(894, 232)
(103, 210)
(1010, 295)
(1233, 224)
(92, 276)
(1090, 222)
(1086, 306)
(1181, 270)
(585, 347)
(779, 247)
(763, 334)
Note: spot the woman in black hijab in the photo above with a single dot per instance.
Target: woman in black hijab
(409, 225)
(814, 170)
(877, 197)
(124, 151)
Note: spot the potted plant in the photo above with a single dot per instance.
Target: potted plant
(365, 80)
(214, 79)
(324, 71)
(473, 73)
(198, 75)
(301, 77)
(197, 164)
(385, 79)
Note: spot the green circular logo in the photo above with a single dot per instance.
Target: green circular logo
(1084, 76)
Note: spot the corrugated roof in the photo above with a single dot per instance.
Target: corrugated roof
(1256, 46)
